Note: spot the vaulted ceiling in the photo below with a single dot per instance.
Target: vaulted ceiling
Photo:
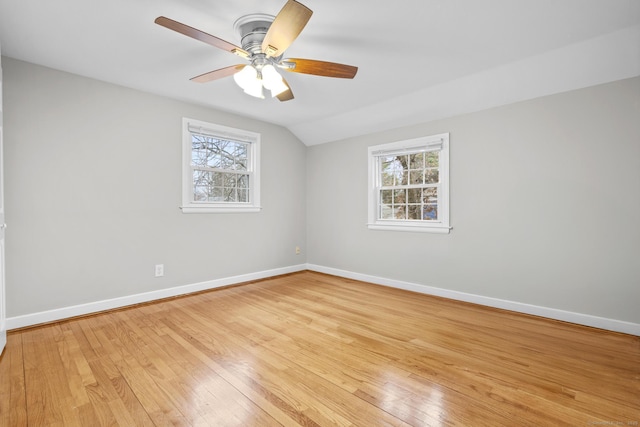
(418, 60)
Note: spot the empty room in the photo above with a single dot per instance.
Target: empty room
(318, 213)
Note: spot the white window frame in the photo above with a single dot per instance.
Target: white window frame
(439, 143)
(253, 138)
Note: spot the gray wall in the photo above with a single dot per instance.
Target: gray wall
(545, 205)
(544, 200)
(93, 181)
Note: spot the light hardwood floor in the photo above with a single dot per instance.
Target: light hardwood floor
(316, 350)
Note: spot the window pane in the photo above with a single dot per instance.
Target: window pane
(400, 212)
(415, 176)
(240, 156)
(198, 151)
(387, 164)
(415, 195)
(430, 195)
(207, 151)
(386, 212)
(399, 196)
(394, 170)
(201, 177)
(401, 177)
(432, 159)
(386, 196)
(430, 212)
(200, 193)
(229, 180)
(217, 179)
(220, 187)
(416, 161)
(430, 204)
(387, 179)
(198, 157)
(225, 152)
(402, 170)
(230, 194)
(431, 176)
(204, 152)
(217, 194)
(207, 193)
(414, 212)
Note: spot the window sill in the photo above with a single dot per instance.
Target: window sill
(220, 209)
(438, 229)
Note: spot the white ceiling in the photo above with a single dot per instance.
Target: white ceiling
(418, 60)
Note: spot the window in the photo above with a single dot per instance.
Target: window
(220, 168)
(409, 185)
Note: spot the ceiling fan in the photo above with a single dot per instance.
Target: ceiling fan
(264, 39)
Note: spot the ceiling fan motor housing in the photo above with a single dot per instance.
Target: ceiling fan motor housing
(252, 29)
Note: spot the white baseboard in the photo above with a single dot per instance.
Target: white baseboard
(551, 313)
(98, 306)
(95, 307)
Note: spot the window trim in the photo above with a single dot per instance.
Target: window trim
(441, 142)
(253, 138)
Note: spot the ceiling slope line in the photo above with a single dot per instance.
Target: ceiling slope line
(603, 59)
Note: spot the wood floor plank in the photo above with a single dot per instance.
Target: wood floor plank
(266, 402)
(13, 408)
(55, 397)
(168, 376)
(314, 387)
(553, 375)
(228, 357)
(386, 378)
(308, 349)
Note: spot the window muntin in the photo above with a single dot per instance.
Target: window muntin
(408, 186)
(220, 168)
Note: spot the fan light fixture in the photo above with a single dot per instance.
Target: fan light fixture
(252, 81)
(272, 80)
(264, 40)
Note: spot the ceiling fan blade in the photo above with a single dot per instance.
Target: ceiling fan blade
(285, 28)
(287, 95)
(319, 68)
(201, 35)
(217, 74)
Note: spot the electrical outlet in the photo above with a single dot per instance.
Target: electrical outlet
(297, 250)
(159, 270)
